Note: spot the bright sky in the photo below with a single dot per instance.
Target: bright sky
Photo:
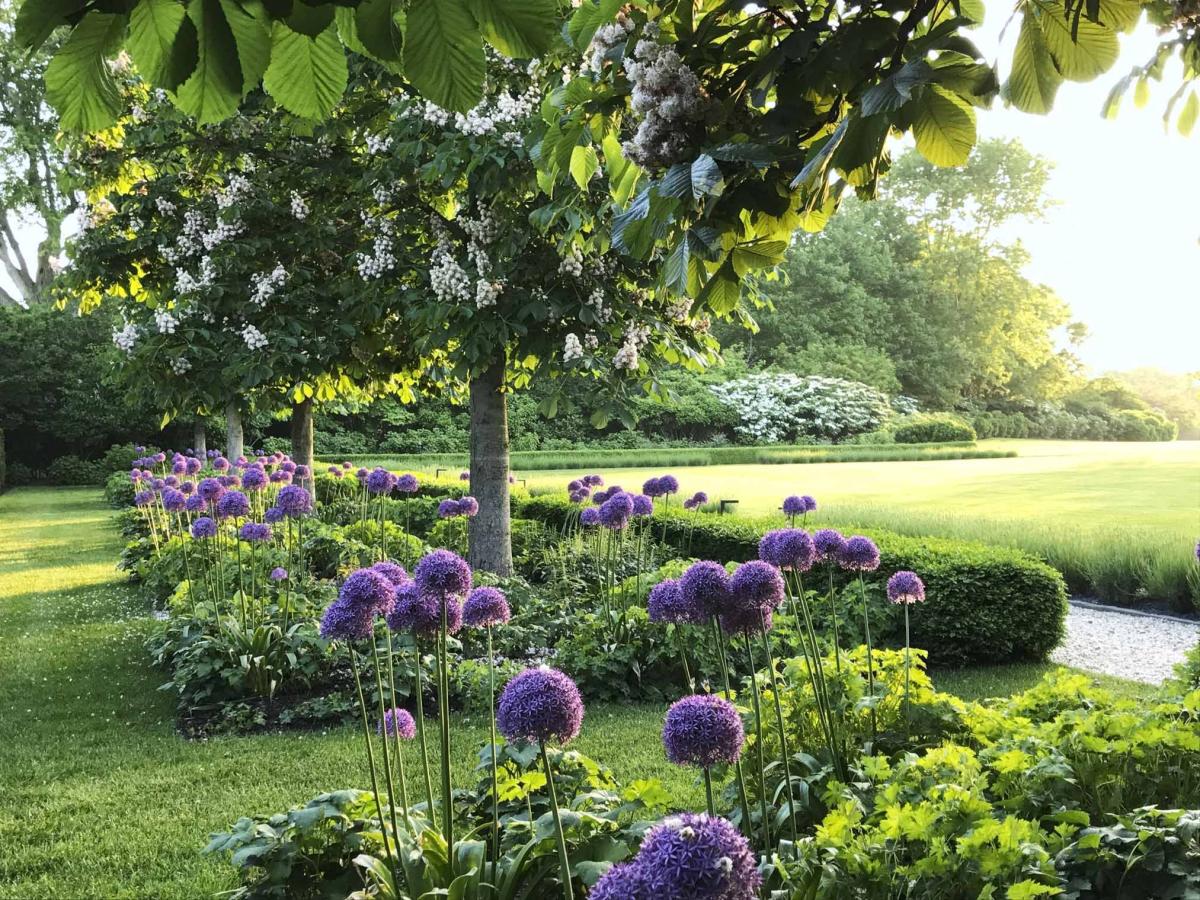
(1123, 246)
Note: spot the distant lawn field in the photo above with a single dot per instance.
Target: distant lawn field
(1119, 519)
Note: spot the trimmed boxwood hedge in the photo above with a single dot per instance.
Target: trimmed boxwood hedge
(984, 604)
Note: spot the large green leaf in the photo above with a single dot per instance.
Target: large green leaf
(153, 29)
(37, 20)
(78, 81)
(757, 255)
(695, 180)
(944, 127)
(375, 24)
(1089, 52)
(590, 15)
(252, 34)
(584, 164)
(443, 53)
(1187, 117)
(214, 89)
(517, 28)
(1034, 79)
(307, 76)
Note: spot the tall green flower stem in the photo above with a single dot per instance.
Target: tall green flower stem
(783, 742)
(737, 766)
(492, 725)
(758, 742)
(237, 546)
(391, 664)
(362, 705)
(708, 792)
(420, 717)
(907, 667)
(382, 531)
(187, 568)
(862, 590)
(564, 861)
(687, 672)
(444, 722)
(837, 641)
(387, 757)
(816, 671)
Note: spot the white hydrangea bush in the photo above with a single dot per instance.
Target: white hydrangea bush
(781, 407)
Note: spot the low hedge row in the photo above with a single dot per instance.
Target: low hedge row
(985, 604)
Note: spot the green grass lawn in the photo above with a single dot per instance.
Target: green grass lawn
(103, 799)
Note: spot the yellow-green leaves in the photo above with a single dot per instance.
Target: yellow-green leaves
(213, 90)
(443, 53)
(307, 75)
(1034, 79)
(944, 127)
(517, 28)
(154, 28)
(78, 81)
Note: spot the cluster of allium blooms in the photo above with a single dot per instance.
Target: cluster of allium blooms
(685, 857)
(696, 501)
(859, 555)
(756, 590)
(906, 587)
(667, 604)
(828, 544)
(263, 285)
(466, 506)
(464, 475)
(790, 549)
(616, 511)
(643, 506)
(421, 613)
(668, 98)
(364, 595)
(233, 505)
(204, 527)
(540, 705)
(279, 573)
(703, 730)
(705, 587)
(294, 501)
(486, 607)
(398, 723)
(661, 486)
(798, 506)
(255, 532)
(380, 481)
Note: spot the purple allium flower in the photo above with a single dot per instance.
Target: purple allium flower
(194, 465)
(703, 730)
(254, 479)
(698, 857)
(391, 571)
(757, 584)
(347, 465)
(668, 484)
(210, 490)
(187, 487)
(303, 472)
(160, 457)
(368, 590)
(468, 506)
(906, 587)
(448, 509)
(576, 496)
(143, 498)
(859, 555)
(407, 484)
(624, 881)
(828, 544)
(810, 504)
(179, 467)
(335, 471)
(379, 481)
(279, 477)
(793, 506)
(540, 704)
(666, 604)
(255, 532)
(422, 613)
(274, 515)
(787, 548)
(158, 484)
(294, 500)
(592, 481)
(699, 498)
(574, 485)
(345, 622)
(486, 607)
(616, 510)
(361, 475)
(173, 500)
(705, 587)
(171, 481)
(221, 464)
(279, 573)
(194, 503)
(443, 574)
(642, 506)
(204, 527)
(230, 481)
(590, 517)
(233, 505)
(398, 723)
(464, 476)
(652, 487)
(288, 466)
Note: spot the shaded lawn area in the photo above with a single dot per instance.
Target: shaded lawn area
(103, 799)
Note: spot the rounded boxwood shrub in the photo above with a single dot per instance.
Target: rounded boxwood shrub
(933, 430)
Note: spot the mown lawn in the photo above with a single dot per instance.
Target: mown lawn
(103, 799)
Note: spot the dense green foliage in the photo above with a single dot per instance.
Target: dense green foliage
(933, 429)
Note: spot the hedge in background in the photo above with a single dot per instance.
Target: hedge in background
(3, 468)
(985, 604)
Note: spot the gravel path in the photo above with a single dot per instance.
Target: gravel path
(1140, 648)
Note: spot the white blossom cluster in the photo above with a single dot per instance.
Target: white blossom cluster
(449, 282)
(378, 144)
(263, 285)
(126, 338)
(680, 310)
(591, 341)
(608, 37)
(186, 282)
(596, 301)
(572, 349)
(165, 321)
(236, 188)
(572, 263)
(773, 408)
(487, 292)
(635, 339)
(669, 99)
(254, 338)
(221, 232)
(382, 257)
(180, 365)
(165, 206)
(299, 207)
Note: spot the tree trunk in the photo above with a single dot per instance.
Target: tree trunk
(199, 438)
(302, 438)
(491, 531)
(233, 432)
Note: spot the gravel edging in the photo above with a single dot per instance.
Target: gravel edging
(1126, 643)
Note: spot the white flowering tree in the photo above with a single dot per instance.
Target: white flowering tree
(226, 249)
(776, 407)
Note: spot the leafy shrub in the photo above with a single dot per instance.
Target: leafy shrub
(1187, 673)
(986, 604)
(71, 470)
(1093, 423)
(779, 407)
(926, 429)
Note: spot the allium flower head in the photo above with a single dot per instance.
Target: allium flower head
(421, 614)
(538, 705)
(303, 472)
(668, 484)
(407, 483)
(279, 573)
(398, 723)
(703, 730)
(787, 548)
(367, 590)
(757, 584)
(233, 505)
(448, 509)
(254, 479)
(828, 544)
(651, 487)
(667, 604)
(624, 881)
(468, 506)
(221, 464)
(443, 574)
(859, 555)
(255, 532)
(173, 500)
(705, 587)
(380, 481)
(810, 504)
(294, 500)
(143, 498)
(158, 484)
(210, 490)
(590, 517)
(274, 515)
(179, 467)
(288, 466)
(194, 465)
(906, 587)
(391, 571)
(486, 607)
(335, 471)
(642, 506)
(574, 485)
(187, 487)
(616, 510)
(194, 503)
(592, 481)
(362, 474)
(204, 527)
(464, 476)
(344, 621)
(698, 857)
(793, 506)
